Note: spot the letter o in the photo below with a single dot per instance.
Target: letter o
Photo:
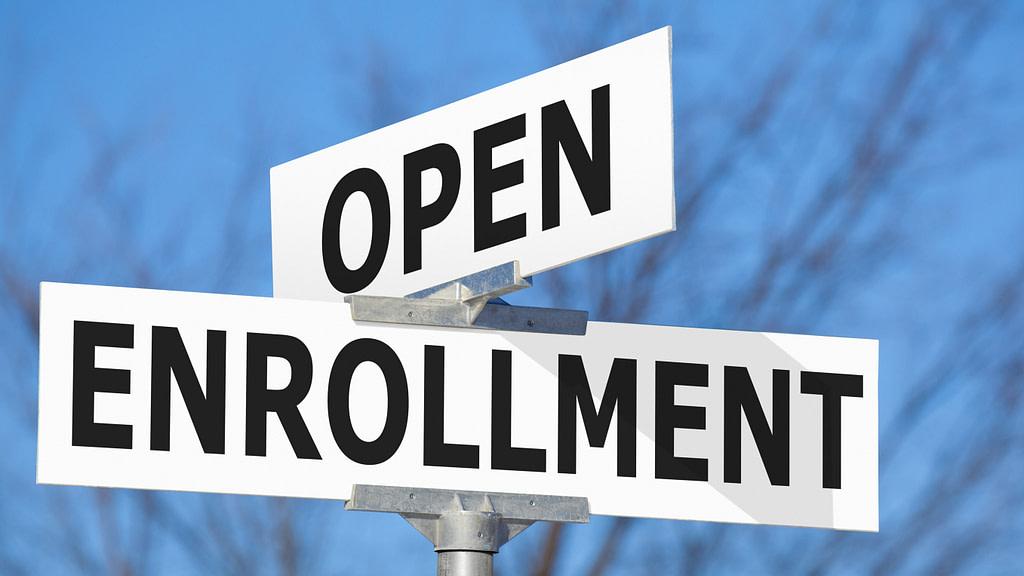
(339, 411)
(343, 278)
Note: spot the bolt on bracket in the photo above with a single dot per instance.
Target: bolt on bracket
(462, 520)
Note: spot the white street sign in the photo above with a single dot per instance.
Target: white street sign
(558, 166)
(235, 394)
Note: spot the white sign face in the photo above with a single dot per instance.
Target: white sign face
(235, 394)
(558, 166)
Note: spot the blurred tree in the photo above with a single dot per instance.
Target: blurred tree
(836, 130)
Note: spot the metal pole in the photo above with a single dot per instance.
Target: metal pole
(465, 563)
(467, 540)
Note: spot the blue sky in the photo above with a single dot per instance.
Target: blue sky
(137, 138)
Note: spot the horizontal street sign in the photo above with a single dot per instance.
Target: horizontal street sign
(555, 167)
(235, 394)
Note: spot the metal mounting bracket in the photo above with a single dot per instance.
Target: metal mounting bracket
(472, 301)
(467, 528)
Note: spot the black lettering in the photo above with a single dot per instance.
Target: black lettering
(87, 380)
(343, 278)
(339, 410)
(285, 402)
(668, 416)
(832, 388)
(206, 410)
(574, 390)
(772, 445)
(487, 180)
(504, 456)
(417, 217)
(592, 172)
(436, 452)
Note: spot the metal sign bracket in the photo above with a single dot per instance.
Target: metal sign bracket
(472, 301)
(467, 528)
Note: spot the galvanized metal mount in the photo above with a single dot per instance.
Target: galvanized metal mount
(473, 301)
(467, 528)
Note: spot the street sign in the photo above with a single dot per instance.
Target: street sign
(235, 394)
(567, 163)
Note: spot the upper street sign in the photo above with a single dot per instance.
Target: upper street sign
(564, 164)
(202, 392)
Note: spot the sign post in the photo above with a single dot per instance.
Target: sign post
(467, 528)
